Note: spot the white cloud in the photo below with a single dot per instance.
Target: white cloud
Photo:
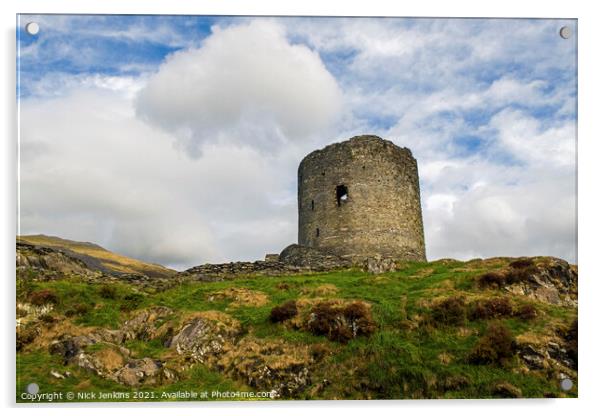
(527, 140)
(246, 84)
(537, 218)
(56, 84)
(92, 171)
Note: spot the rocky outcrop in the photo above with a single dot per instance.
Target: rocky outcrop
(146, 325)
(551, 356)
(205, 335)
(546, 279)
(268, 365)
(112, 361)
(43, 263)
(145, 371)
(54, 262)
(101, 351)
(554, 354)
(210, 338)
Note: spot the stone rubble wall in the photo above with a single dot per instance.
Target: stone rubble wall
(294, 259)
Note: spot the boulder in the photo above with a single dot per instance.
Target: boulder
(144, 371)
(549, 280)
(204, 336)
(146, 325)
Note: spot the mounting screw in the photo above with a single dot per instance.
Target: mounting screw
(33, 388)
(566, 384)
(565, 32)
(32, 28)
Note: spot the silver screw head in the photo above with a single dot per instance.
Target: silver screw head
(566, 384)
(32, 28)
(565, 32)
(33, 388)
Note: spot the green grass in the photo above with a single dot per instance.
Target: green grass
(398, 361)
(35, 367)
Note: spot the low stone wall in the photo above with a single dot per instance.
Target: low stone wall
(294, 259)
(212, 272)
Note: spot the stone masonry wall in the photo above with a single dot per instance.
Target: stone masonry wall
(379, 214)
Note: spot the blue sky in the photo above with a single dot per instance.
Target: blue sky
(176, 138)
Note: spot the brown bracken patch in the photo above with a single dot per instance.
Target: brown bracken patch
(496, 346)
(283, 312)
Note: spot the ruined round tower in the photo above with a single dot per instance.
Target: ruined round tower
(359, 199)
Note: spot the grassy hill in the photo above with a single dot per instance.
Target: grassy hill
(443, 329)
(98, 258)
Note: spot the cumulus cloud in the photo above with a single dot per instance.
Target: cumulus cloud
(92, 171)
(245, 84)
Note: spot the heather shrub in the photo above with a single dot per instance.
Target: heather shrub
(491, 280)
(526, 312)
(450, 311)
(341, 323)
(491, 308)
(520, 271)
(43, 297)
(26, 336)
(47, 318)
(522, 263)
(323, 319)
(358, 315)
(108, 292)
(131, 301)
(284, 312)
(79, 309)
(496, 346)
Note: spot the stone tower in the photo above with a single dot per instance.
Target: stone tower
(360, 198)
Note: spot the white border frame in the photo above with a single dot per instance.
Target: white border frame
(588, 186)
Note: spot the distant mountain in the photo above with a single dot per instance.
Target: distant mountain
(96, 257)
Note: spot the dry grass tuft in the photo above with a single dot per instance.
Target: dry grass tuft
(241, 297)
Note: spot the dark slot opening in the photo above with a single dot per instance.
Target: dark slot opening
(312, 204)
(317, 232)
(342, 194)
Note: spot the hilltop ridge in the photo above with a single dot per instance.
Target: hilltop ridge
(95, 257)
(500, 327)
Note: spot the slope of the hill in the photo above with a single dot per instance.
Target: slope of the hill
(97, 258)
(446, 329)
